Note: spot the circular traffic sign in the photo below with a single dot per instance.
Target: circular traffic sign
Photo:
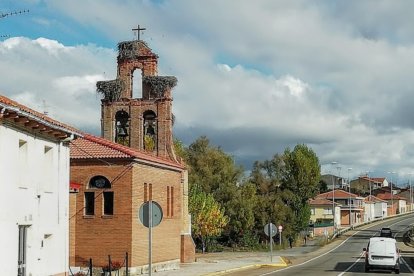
(270, 230)
(144, 211)
(280, 228)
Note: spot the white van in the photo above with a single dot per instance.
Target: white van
(382, 253)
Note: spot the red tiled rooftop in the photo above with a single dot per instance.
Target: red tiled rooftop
(320, 201)
(338, 194)
(372, 198)
(387, 196)
(15, 105)
(93, 147)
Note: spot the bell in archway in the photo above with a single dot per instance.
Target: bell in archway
(122, 131)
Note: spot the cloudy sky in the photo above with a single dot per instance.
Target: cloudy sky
(255, 77)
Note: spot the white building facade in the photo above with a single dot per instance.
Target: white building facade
(34, 202)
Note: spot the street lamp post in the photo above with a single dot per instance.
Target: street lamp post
(411, 191)
(350, 210)
(370, 204)
(392, 197)
(333, 197)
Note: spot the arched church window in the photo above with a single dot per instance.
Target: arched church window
(99, 182)
(122, 128)
(150, 130)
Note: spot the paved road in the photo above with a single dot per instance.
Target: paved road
(344, 257)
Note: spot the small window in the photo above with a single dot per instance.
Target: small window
(23, 164)
(327, 211)
(89, 203)
(99, 182)
(108, 203)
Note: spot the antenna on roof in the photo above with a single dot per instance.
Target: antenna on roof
(3, 15)
(45, 106)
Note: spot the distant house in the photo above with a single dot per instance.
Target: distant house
(351, 206)
(374, 208)
(321, 216)
(395, 203)
(34, 200)
(363, 185)
(330, 179)
(405, 193)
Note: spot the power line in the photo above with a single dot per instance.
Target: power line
(3, 15)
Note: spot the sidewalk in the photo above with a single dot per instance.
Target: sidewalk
(222, 262)
(210, 264)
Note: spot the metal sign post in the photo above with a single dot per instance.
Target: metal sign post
(150, 238)
(150, 214)
(280, 234)
(270, 230)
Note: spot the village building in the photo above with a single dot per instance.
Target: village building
(321, 219)
(395, 203)
(34, 158)
(351, 207)
(374, 208)
(134, 162)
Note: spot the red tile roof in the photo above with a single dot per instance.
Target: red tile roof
(14, 106)
(372, 198)
(387, 196)
(321, 201)
(338, 194)
(93, 147)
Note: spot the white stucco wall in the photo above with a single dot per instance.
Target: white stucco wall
(380, 209)
(369, 211)
(35, 195)
(402, 206)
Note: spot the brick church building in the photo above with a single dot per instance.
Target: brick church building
(134, 162)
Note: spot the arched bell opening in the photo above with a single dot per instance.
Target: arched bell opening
(150, 130)
(122, 128)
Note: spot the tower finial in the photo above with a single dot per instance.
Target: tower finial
(138, 31)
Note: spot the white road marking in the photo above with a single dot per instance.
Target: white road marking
(349, 268)
(409, 267)
(341, 274)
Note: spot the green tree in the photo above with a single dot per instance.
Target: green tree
(208, 219)
(301, 176)
(217, 174)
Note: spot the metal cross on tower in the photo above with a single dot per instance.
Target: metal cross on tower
(138, 30)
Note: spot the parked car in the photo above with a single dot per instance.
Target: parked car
(382, 253)
(386, 232)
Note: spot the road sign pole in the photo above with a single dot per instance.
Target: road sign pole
(271, 242)
(150, 238)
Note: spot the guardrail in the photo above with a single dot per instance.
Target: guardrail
(344, 230)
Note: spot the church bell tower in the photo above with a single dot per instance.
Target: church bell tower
(143, 123)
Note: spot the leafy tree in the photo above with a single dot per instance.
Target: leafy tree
(240, 210)
(301, 176)
(212, 169)
(208, 219)
(216, 173)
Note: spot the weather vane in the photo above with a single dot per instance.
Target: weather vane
(138, 31)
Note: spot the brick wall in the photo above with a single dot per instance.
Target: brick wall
(135, 108)
(166, 236)
(72, 227)
(98, 236)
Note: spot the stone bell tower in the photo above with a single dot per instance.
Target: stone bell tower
(141, 123)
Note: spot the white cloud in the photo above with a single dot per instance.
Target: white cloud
(275, 72)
